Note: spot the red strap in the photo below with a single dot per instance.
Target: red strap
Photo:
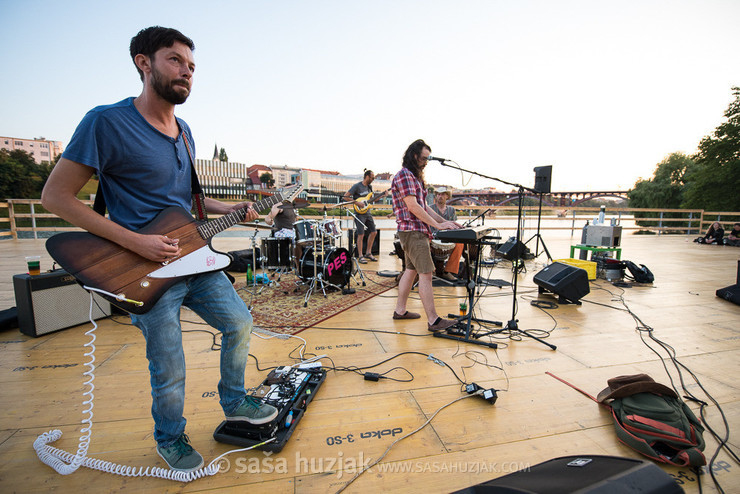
(657, 425)
(577, 389)
(199, 199)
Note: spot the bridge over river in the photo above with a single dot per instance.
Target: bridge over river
(557, 199)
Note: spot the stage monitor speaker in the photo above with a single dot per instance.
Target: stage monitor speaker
(542, 179)
(569, 282)
(512, 249)
(52, 301)
(589, 474)
(731, 293)
(352, 236)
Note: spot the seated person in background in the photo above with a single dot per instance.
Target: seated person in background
(733, 238)
(442, 195)
(714, 235)
(282, 217)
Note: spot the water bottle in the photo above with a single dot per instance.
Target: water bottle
(249, 273)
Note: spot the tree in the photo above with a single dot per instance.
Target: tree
(665, 190)
(713, 183)
(20, 176)
(266, 178)
(222, 156)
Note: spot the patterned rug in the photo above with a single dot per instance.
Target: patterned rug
(279, 306)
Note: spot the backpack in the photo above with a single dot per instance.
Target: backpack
(651, 419)
(641, 274)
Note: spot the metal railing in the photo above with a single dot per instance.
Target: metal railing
(28, 215)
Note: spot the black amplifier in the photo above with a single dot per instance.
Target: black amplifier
(52, 301)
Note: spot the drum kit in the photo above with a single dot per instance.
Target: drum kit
(313, 250)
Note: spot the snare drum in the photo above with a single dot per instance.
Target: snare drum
(441, 250)
(332, 229)
(277, 252)
(305, 231)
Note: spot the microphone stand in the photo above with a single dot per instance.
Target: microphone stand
(511, 326)
(482, 216)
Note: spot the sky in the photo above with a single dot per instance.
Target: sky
(602, 91)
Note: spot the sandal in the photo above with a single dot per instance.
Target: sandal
(362, 260)
(371, 257)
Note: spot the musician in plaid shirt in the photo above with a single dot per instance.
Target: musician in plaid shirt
(414, 218)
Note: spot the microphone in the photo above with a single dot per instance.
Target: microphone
(436, 158)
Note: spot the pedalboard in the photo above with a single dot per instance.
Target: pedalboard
(290, 390)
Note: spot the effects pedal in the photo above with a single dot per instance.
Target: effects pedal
(290, 390)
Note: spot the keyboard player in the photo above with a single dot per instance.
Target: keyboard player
(414, 219)
(452, 267)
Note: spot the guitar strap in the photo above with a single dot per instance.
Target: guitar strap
(199, 199)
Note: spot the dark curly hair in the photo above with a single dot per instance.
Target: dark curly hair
(411, 159)
(151, 39)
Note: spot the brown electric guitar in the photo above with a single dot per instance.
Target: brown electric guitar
(135, 283)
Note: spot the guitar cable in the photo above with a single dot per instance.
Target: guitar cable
(67, 463)
(120, 298)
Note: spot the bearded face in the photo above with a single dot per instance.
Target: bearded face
(175, 91)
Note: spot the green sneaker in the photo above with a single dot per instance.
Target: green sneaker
(180, 455)
(254, 412)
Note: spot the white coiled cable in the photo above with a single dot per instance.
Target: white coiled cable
(66, 463)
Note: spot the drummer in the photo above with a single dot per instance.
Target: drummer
(281, 217)
(441, 196)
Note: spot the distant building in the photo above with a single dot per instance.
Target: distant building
(227, 180)
(222, 179)
(40, 148)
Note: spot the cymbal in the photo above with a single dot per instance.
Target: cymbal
(262, 226)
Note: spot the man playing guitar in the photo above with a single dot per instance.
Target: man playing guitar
(142, 154)
(362, 195)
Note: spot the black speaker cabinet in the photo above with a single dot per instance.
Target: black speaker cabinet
(542, 178)
(592, 474)
(569, 282)
(512, 249)
(731, 293)
(52, 301)
(352, 237)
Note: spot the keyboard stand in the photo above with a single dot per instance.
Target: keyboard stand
(462, 331)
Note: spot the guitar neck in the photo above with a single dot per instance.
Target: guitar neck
(211, 228)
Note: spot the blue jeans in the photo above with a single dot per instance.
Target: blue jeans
(214, 299)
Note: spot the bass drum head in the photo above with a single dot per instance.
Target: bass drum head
(334, 264)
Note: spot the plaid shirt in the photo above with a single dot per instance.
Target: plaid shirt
(406, 184)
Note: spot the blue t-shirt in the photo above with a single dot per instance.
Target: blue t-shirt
(141, 170)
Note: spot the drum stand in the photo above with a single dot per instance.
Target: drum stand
(252, 286)
(351, 248)
(318, 277)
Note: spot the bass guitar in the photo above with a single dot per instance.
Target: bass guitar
(367, 201)
(135, 283)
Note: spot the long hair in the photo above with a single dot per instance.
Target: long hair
(151, 39)
(411, 159)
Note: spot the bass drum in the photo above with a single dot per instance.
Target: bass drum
(334, 264)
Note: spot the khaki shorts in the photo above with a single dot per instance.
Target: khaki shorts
(417, 252)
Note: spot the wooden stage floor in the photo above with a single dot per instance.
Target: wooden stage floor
(352, 421)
